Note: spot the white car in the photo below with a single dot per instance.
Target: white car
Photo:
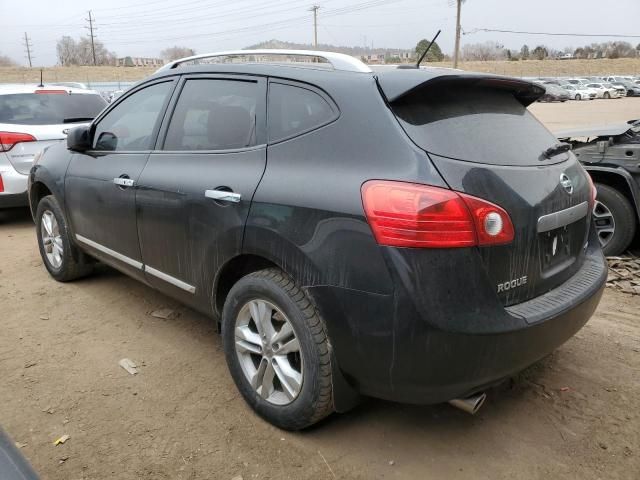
(33, 117)
(577, 81)
(604, 90)
(579, 92)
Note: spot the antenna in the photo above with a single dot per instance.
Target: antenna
(424, 54)
(41, 84)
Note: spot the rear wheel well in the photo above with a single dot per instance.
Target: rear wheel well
(614, 181)
(233, 271)
(38, 191)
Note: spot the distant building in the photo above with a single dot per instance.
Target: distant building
(140, 62)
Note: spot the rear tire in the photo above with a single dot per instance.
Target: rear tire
(61, 258)
(613, 211)
(607, 95)
(253, 350)
(578, 97)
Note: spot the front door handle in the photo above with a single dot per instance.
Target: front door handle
(222, 195)
(124, 182)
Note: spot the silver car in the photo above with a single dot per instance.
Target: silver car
(33, 117)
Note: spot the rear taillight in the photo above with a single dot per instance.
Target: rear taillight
(1, 185)
(9, 139)
(413, 215)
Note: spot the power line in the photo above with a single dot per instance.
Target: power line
(262, 27)
(28, 45)
(559, 34)
(91, 28)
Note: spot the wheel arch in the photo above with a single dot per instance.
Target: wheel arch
(619, 179)
(234, 270)
(37, 191)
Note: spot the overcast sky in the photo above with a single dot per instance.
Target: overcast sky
(146, 27)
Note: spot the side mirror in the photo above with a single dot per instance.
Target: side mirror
(78, 139)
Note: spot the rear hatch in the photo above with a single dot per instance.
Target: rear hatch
(44, 118)
(484, 142)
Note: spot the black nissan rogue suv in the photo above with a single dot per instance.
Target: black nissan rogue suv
(407, 234)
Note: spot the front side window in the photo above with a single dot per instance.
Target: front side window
(294, 110)
(214, 114)
(130, 125)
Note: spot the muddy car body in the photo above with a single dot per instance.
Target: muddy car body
(409, 234)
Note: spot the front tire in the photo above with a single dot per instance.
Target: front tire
(615, 220)
(61, 258)
(607, 95)
(277, 350)
(578, 97)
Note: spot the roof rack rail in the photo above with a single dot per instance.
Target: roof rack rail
(339, 61)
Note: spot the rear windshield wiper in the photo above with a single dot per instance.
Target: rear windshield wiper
(555, 150)
(77, 119)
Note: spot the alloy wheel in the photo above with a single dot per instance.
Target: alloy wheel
(605, 223)
(269, 352)
(51, 239)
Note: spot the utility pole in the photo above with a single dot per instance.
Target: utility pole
(456, 51)
(314, 9)
(28, 46)
(91, 28)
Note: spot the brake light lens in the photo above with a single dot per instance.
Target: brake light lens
(1, 185)
(49, 92)
(9, 139)
(412, 215)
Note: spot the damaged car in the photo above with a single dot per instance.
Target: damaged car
(611, 155)
(411, 234)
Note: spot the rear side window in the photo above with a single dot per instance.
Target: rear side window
(295, 110)
(214, 114)
(474, 124)
(49, 108)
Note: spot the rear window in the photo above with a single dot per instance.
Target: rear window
(295, 110)
(473, 124)
(49, 108)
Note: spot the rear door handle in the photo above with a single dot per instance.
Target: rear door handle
(222, 195)
(124, 182)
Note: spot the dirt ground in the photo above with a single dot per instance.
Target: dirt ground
(526, 68)
(574, 415)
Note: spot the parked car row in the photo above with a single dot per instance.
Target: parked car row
(589, 88)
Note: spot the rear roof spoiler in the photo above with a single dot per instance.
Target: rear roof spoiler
(397, 84)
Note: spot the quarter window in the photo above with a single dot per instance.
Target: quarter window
(214, 114)
(294, 110)
(130, 125)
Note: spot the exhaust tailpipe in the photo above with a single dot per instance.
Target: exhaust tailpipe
(470, 404)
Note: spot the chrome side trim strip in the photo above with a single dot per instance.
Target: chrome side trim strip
(563, 217)
(170, 279)
(108, 251)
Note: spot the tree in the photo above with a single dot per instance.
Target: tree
(524, 52)
(434, 54)
(174, 53)
(6, 61)
(71, 52)
(540, 52)
(483, 51)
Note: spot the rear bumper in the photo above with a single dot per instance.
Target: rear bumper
(392, 347)
(15, 188)
(13, 200)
